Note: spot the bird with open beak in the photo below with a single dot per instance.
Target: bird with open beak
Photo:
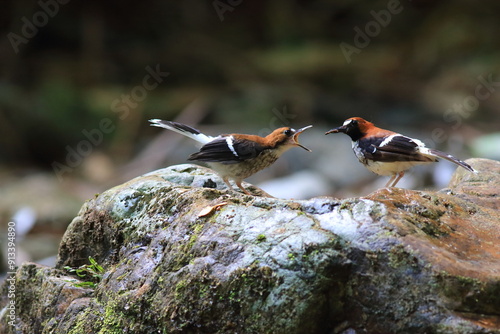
(237, 156)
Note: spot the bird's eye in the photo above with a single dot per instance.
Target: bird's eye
(288, 132)
(354, 122)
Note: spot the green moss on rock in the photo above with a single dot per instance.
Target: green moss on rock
(396, 261)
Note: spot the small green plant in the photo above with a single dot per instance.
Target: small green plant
(92, 273)
(261, 238)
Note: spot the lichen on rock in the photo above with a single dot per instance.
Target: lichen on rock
(395, 261)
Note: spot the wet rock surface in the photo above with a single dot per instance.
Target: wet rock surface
(183, 254)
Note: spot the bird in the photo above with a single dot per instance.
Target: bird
(237, 156)
(386, 152)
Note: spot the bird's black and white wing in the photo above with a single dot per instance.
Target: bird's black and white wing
(228, 150)
(394, 148)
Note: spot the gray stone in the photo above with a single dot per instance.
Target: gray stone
(183, 254)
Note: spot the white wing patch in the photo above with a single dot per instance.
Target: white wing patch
(388, 140)
(229, 141)
(419, 143)
(422, 149)
(425, 151)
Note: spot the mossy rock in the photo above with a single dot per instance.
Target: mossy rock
(184, 254)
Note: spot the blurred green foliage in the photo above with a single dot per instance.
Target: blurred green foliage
(246, 62)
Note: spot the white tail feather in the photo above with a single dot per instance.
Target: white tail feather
(183, 129)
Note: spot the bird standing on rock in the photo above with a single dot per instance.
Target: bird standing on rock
(386, 152)
(237, 156)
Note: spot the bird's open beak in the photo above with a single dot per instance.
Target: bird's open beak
(336, 130)
(296, 137)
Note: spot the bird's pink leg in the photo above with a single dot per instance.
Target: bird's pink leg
(226, 181)
(390, 181)
(238, 183)
(400, 175)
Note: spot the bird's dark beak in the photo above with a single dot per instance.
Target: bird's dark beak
(296, 137)
(337, 130)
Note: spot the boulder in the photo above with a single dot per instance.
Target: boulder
(183, 254)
